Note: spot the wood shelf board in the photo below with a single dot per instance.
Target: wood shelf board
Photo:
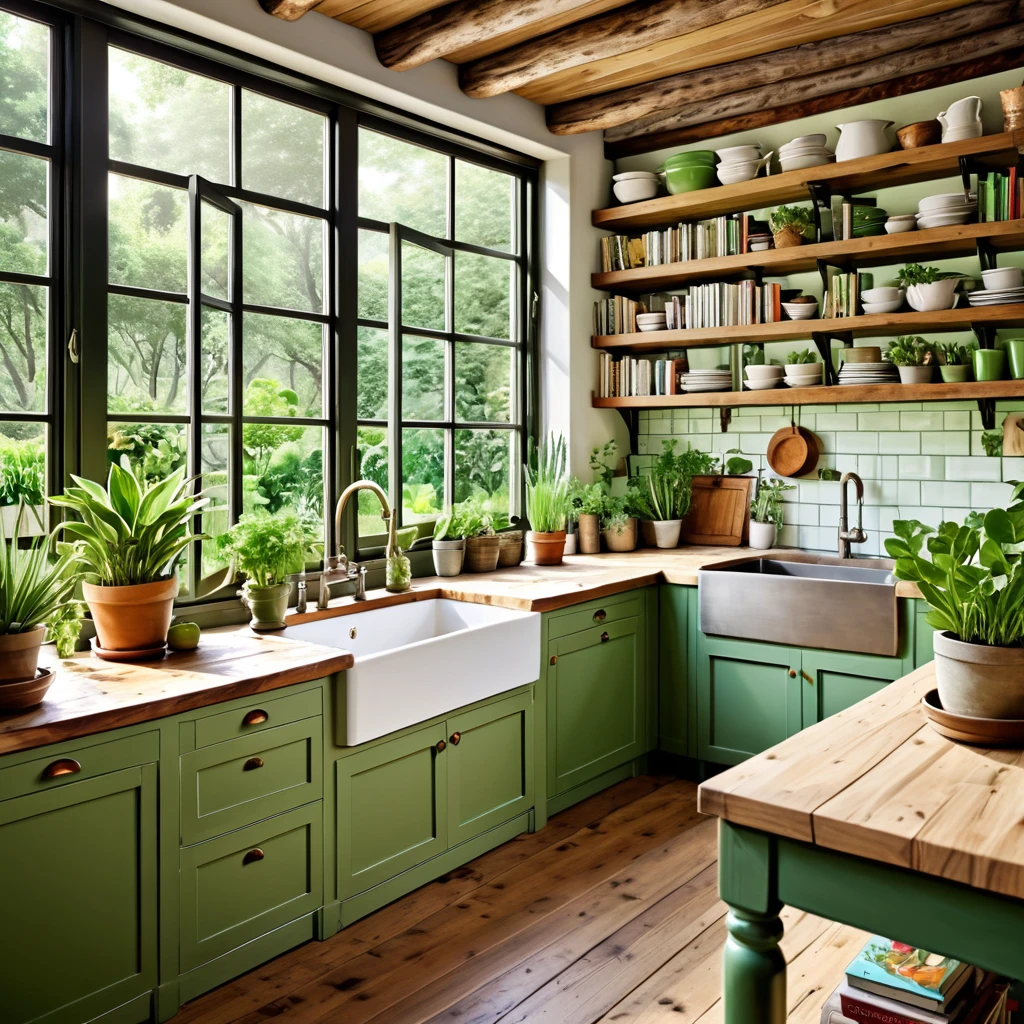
(838, 395)
(887, 170)
(933, 244)
(873, 325)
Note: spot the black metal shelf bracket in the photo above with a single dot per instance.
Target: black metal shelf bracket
(986, 253)
(821, 197)
(724, 418)
(986, 335)
(987, 408)
(632, 419)
(822, 341)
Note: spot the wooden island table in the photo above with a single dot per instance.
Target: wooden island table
(872, 819)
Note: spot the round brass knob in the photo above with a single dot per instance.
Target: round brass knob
(600, 615)
(792, 673)
(440, 745)
(554, 659)
(455, 738)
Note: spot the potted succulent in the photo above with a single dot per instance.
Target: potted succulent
(956, 362)
(766, 511)
(664, 492)
(914, 357)
(587, 505)
(618, 526)
(449, 545)
(973, 581)
(128, 541)
(483, 545)
(547, 498)
(266, 549)
(928, 288)
(791, 225)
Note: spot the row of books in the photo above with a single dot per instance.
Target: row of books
(617, 315)
(999, 196)
(629, 377)
(721, 304)
(844, 291)
(702, 239)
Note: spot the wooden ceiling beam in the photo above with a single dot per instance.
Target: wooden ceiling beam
(947, 74)
(375, 15)
(609, 110)
(289, 10)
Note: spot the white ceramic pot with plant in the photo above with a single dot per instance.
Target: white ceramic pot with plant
(914, 357)
(547, 499)
(928, 288)
(973, 582)
(128, 542)
(766, 512)
(266, 549)
(662, 494)
(449, 543)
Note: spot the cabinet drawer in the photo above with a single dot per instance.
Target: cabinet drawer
(235, 783)
(596, 613)
(63, 765)
(243, 885)
(259, 716)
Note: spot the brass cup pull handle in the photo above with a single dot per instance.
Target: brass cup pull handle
(455, 738)
(252, 764)
(554, 659)
(792, 673)
(65, 766)
(255, 717)
(605, 638)
(807, 677)
(600, 615)
(252, 856)
(440, 745)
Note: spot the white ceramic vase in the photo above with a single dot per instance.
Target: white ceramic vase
(666, 532)
(979, 681)
(570, 544)
(448, 555)
(762, 535)
(927, 298)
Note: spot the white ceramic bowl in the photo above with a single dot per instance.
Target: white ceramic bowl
(730, 174)
(635, 190)
(1003, 277)
(739, 153)
(946, 201)
(803, 140)
(760, 246)
(652, 327)
(897, 227)
(799, 163)
(803, 370)
(764, 385)
(885, 294)
(800, 310)
(631, 175)
(764, 372)
(892, 306)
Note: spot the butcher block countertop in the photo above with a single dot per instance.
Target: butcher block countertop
(90, 695)
(876, 781)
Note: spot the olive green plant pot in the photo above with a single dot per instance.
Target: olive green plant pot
(989, 363)
(19, 654)
(267, 605)
(955, 374)
(1015, 353)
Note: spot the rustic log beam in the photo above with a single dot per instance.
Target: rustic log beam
(470, 29)
(1006, 60)
(289, 10)
(608, 110)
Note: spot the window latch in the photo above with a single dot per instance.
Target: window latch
(533, 307)
(73, 345)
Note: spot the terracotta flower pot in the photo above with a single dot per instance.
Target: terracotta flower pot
(623, 539)
(978, 680)
(19, 655)
(448, 555)
(134, 618)
(268, 605)
(482, 553)
(548, 547)
(510, 553)
(589, 530)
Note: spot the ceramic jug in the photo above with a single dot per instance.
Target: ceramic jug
(963, 112)
(862, 138)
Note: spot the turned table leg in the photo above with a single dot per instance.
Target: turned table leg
(753, 968)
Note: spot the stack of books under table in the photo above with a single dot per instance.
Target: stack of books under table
(892, 983)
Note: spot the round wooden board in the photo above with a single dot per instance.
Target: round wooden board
(792, 451)
(979, 732)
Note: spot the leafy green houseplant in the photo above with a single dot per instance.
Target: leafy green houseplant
(973, 580)
(128, 540)
(791, 225)
(547, 498)
(266, 549)
(618, 525)
(665, 490)
(586, 506)
(915, 358)
(449, 542)
(956, 362)
(766, 511)
(928, 288)
(22, 500)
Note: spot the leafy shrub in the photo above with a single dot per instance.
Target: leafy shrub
(664, 491)
(153, 450)
(910, 350)
(265, 548)
(22, 472)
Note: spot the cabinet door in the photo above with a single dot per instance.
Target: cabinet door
(490, 766)
(392, 808)
(832, 681)
(675, 719)
(597, 702)
(748, 697)
(78, 926)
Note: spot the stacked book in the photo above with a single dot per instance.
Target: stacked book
(724, 305)
(844, 291)
(893, 983)
(628, 377)
(703, 239)
(999, 196)
(616, 315)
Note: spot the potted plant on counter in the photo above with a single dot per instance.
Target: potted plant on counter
(664, 492)
(128, 542)
(587, 503)
(449, 544)
(483, 545)
(928, 288)
(266, 549)
(914, 357)
(973, 581)
(791, 225)
(766, 512)
(618, 525)
(956, 362)
(547, 499)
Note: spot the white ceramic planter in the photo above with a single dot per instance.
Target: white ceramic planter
(916, 374)
(927, 298)
(979, 681)
(570, 544)
(448, 555)
(666, 532)
(762, 535)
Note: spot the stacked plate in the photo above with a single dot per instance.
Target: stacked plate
(707, 380)
(995, 296)
(946, 209)
(868, 373)
(804, 375)
(805, 151)
(764, 377)
(740, 163)
(634, 186)
(651, 321)
(759, 242)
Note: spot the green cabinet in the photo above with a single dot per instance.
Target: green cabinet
(79, 854)
(832, 682)
(677, 674)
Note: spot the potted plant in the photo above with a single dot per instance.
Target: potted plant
(547, 498)
(973, 581)
(266, 549)
(766, 511)
(665, 491)
(128, 541)
(791, 225)
(914, 357)
(928, 288)
(618, 527)
(956, 365)
(449, 544)
(483, 545)
(587, 504)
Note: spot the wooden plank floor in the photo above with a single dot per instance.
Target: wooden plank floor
(610, 913)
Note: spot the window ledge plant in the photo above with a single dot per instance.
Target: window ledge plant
(547, 498)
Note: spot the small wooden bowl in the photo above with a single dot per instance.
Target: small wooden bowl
(28, 693)
(920, 133)
(979, 732)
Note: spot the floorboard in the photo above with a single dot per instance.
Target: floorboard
(609, 913)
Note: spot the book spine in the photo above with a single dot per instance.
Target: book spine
(865, 1013)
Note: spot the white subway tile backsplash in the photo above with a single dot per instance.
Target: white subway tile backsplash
(921, 420)
(986, 496)
(922, 467)
(837, 421)
(971, 467)
(960, 420)
(945, 492)
(945, 442)
(1013, 468)
(857, 443)
(899, 444)
(878, 421)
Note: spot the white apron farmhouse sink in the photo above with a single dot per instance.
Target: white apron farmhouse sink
(418, 660)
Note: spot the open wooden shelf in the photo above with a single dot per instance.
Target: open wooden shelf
(933, 244)
(873, 325)
(837, 395)
(887, 170)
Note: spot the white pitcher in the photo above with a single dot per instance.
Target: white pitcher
(862, 138)
(962, 112)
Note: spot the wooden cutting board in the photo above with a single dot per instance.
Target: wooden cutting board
(719, 512)
(1013, 434)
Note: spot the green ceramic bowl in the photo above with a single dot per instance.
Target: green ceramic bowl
(1015, 353)
(689, 179)
(697, 157)
(989, 363)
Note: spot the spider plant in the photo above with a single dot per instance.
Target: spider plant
(34, 588)
(547, 485)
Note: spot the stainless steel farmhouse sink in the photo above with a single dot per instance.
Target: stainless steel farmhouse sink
(808, 601)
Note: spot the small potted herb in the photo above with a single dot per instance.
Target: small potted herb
(618, 526)
(928, 288)
(483, 545)
(992, 442)
(914, 357)
(665, 491)
(766, 511)
(587, 504)
(449, 544)
(547, 499)
(791, 225)
(265, 549)
(956, 362)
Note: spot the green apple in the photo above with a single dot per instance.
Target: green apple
(183, 636)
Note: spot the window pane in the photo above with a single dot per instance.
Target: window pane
(484, 206)
(422, 287)
(282, 149)
(23, 477)
(153, 450)
(214, 355)
(372, 355)
(23, 221)
(148, 234)
(399, 181)
(373, 465)
(282, 259)
(168, 119)
(215, 258)
(484, 286)
(214, 484)
(422, 473)
(283, 365)
(422, 379)
(483, 382)
(23, 333)
(147, 355)
(373, 275)
(482, 461)
(25, 60)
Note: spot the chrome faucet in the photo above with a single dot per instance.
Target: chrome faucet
(338, 568)
(857, 534)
